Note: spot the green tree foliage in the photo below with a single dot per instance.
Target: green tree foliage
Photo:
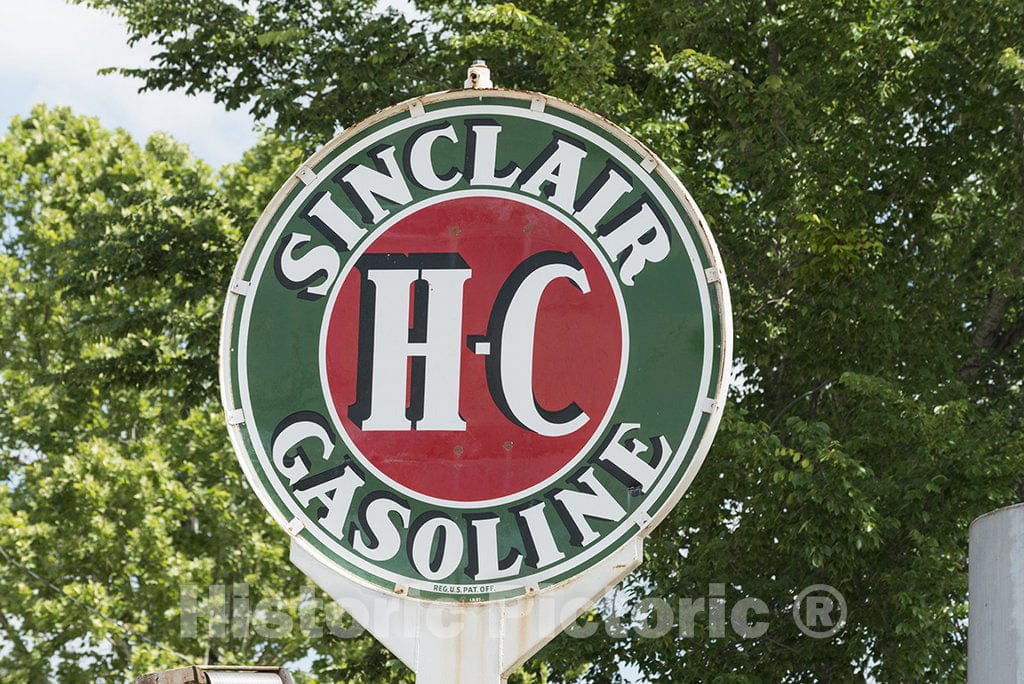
(120, 493)
(860, 163)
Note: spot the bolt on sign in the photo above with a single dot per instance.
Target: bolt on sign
(476, 346)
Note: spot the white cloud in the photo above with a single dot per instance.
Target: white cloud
(50, 52)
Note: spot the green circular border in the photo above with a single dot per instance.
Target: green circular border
(696, 225)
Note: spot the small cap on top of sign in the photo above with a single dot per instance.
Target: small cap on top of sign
(478, 76)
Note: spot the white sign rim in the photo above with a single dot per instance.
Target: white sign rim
(643, 523)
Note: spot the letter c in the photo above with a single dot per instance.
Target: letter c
(511, 331)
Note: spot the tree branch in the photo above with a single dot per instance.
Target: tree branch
(989, 335)
(824, 385)
(13, 635)
(995, 311)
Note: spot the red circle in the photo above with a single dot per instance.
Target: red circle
(576, 358)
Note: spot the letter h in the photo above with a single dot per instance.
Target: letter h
(428, 288)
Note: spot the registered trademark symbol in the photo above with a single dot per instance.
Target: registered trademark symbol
(819, 611)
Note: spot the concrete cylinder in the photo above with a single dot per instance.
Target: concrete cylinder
(995, 630)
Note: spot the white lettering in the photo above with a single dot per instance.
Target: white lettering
(640, 239)
(421, 168)
(488, 566)
(441, 350)
(484, 152)
(576, 507)
(542, 549)
(613, 187)
(379, 522)
(562, 170)
(444, 534)
(517, 342)
(369, 184)
(296, 467)
(334, 223)
(299, 274)
(627, 460)
(335, 508)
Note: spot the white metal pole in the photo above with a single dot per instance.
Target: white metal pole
(467, 643)
(995, 639)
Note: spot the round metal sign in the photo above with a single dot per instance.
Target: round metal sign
(477, 343)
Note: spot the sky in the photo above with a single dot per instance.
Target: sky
(51, 51)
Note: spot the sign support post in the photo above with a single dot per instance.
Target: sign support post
(478, 643)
